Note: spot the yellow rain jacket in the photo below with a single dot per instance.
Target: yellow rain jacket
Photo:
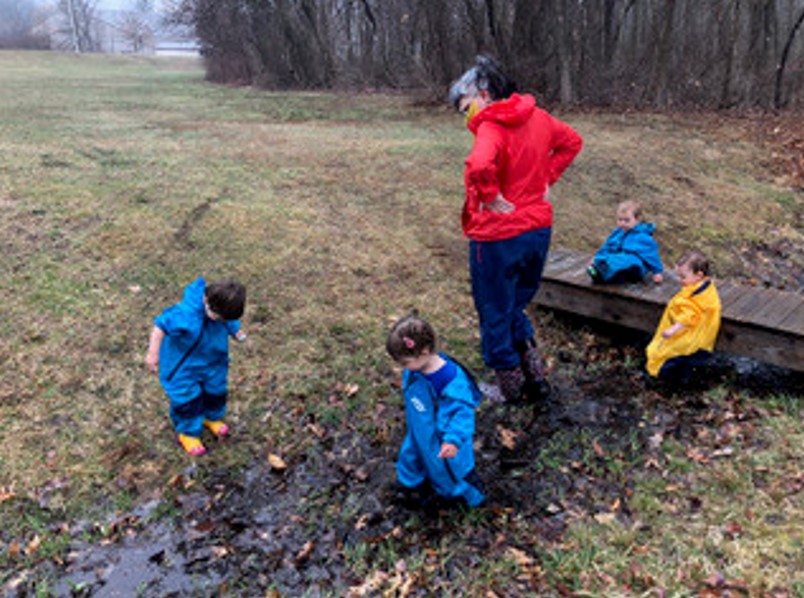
(697, 308)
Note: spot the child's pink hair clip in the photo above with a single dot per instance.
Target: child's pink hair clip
(409, 342)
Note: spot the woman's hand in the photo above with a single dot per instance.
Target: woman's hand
(500, 205)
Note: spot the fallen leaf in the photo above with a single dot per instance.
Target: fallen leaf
(370, 584)
(305, 551)
(716, 580)
(598, 449)
(724, 452)
(652, 462)
(318, 431)
(219, 551)
(733, 530)
(276, 462)
(362, 521)
(4, 496)
(520, 557)
(697, 455)
(33, 546)
(507, 437)
(14, 549)
(606, 518)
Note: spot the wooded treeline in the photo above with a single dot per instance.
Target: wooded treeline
(713, 53)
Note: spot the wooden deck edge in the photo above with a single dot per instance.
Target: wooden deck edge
(643, 313)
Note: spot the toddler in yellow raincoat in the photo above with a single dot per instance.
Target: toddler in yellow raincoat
(687, 331)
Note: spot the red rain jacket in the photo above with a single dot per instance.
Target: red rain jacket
(519, 151)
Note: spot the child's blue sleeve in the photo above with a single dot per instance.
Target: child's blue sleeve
(650, 255)
(232, 327)
(609, 245)
(173, 320)
(456, 420)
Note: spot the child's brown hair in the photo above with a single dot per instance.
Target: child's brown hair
(696, 261)
(410, 337)
(227, 298)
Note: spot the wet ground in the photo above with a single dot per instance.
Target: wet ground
(263, 530)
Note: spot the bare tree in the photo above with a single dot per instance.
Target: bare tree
(777, 93)
(720, 53)
(136, 25)
(79, 16)
(17, 25)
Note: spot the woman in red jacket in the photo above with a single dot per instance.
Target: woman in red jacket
(518, 153)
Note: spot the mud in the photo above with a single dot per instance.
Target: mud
(296, 531)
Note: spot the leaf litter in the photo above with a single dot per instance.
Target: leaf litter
(295, 524)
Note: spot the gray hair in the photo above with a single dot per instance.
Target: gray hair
(484, 75)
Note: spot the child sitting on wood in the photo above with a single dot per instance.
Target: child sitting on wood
(189, 347)
(630, 252)
(437, 455)
(687, 331)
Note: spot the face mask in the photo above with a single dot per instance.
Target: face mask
(471, 112)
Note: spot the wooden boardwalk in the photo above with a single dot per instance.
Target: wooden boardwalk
(765, 324)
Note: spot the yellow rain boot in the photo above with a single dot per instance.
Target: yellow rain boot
(192, 445)
(218, 428)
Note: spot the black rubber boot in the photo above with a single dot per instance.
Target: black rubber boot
(511, 383)
(536, 389)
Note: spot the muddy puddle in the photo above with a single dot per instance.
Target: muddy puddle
(295, 532)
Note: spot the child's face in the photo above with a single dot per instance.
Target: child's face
(687, 277)
(417, 363)
(626, 220)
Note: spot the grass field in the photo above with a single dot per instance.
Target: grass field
(123, 179)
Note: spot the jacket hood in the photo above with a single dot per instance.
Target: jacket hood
(193, 297)
(645, 227)
(510, 112)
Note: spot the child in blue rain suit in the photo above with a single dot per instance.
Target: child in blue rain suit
(437, 454)
(630, 252)
(189, 346)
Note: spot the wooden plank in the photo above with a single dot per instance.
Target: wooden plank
(571, 268)
(590, 303)
(557, 262)
(776, 307)
(770, 346)
(729, 294)
(794, 321)
(743, 308)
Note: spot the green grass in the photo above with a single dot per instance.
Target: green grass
(124, 178)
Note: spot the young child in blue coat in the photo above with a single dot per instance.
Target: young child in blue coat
(189, 347)
(440, 402)
(630, 252)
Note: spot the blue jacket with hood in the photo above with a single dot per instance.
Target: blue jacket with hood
(195, 348)
(635, 248)
(433, 420)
